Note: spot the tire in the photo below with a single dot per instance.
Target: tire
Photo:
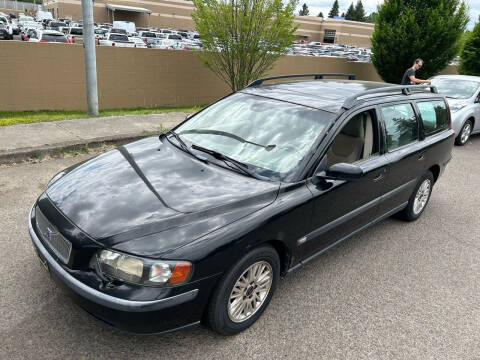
(415, 208)
(221, 314)
(464, 134)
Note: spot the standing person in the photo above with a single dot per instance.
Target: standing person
(409, 76)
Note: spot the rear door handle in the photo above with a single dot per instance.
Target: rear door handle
(421, 157)
(380, 176)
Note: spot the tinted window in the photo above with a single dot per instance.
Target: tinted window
(434, 116)
(175, 37)
(54, 38)
(400, 124)
(76, 31)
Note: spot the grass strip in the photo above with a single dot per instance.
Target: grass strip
(27, 117)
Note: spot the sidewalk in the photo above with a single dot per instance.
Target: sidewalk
(20, 142)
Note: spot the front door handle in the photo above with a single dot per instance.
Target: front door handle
(378, 177)
(421, 157)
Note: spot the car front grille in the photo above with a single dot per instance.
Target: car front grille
(52, 238)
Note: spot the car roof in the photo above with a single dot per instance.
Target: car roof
(328, 95)
(458, 77)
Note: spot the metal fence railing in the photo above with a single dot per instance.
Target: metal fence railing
(18, 5)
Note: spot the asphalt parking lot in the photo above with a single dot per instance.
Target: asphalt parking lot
(396, 291)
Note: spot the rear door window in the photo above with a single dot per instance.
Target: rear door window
(400, 124)
(434, 116)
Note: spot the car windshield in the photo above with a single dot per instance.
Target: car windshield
(77, 31)
(456, 89)
(269, 134)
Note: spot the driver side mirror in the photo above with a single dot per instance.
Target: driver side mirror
(340, 171)
(188, 116)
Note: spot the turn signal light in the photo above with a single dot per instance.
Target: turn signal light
(180, 272)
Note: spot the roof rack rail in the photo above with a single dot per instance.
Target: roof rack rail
(315, 76)
(352, 100)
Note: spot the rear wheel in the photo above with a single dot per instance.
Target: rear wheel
(464, 135)
(419, 199)
(244, 292)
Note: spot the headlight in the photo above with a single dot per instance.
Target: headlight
(55, 178)
(143, 271)
(456, 107)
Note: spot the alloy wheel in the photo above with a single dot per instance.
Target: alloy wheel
(421, 197)
(467, 129)
(250, 291)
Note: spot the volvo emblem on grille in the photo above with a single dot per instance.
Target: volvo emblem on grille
(48, 234)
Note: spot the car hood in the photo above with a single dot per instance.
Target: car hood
(149, 197)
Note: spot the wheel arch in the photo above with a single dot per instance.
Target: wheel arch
(435, 170)
(284, 253)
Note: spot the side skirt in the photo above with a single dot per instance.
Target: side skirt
(373, 222)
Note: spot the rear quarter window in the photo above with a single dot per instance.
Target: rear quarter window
(434, 116)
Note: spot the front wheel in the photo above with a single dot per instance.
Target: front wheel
(244, 292)
(419, 199)
(464, 135)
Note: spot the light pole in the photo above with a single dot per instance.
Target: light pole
(90, 58)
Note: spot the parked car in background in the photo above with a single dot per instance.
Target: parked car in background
(200, 223)
(128, 26)
(148, 37)
(162, 44)
(75, 35)
(463, 94)
(48, 36)
(56, 25)
(100, 33)
(118, 40)
(43, 15)
(138, 42)
(27, 33)
(6, 30)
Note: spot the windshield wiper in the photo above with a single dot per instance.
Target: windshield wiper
(183, 145)
(238, 164)
(227, 134)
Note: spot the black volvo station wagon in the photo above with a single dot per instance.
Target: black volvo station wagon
(199, 224)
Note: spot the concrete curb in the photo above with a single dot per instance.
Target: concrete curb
(22, 154)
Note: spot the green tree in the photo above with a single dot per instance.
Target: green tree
(408, 29)
(320, 14)
(242, 39)
(372, 18)
(334, 11)
(304, 11)
(350, 15)
(359, 11)
(470, 55)
(343, 15)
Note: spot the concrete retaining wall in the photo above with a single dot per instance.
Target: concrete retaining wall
(36, 76)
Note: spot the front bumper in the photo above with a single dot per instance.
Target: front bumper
(154, 316)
